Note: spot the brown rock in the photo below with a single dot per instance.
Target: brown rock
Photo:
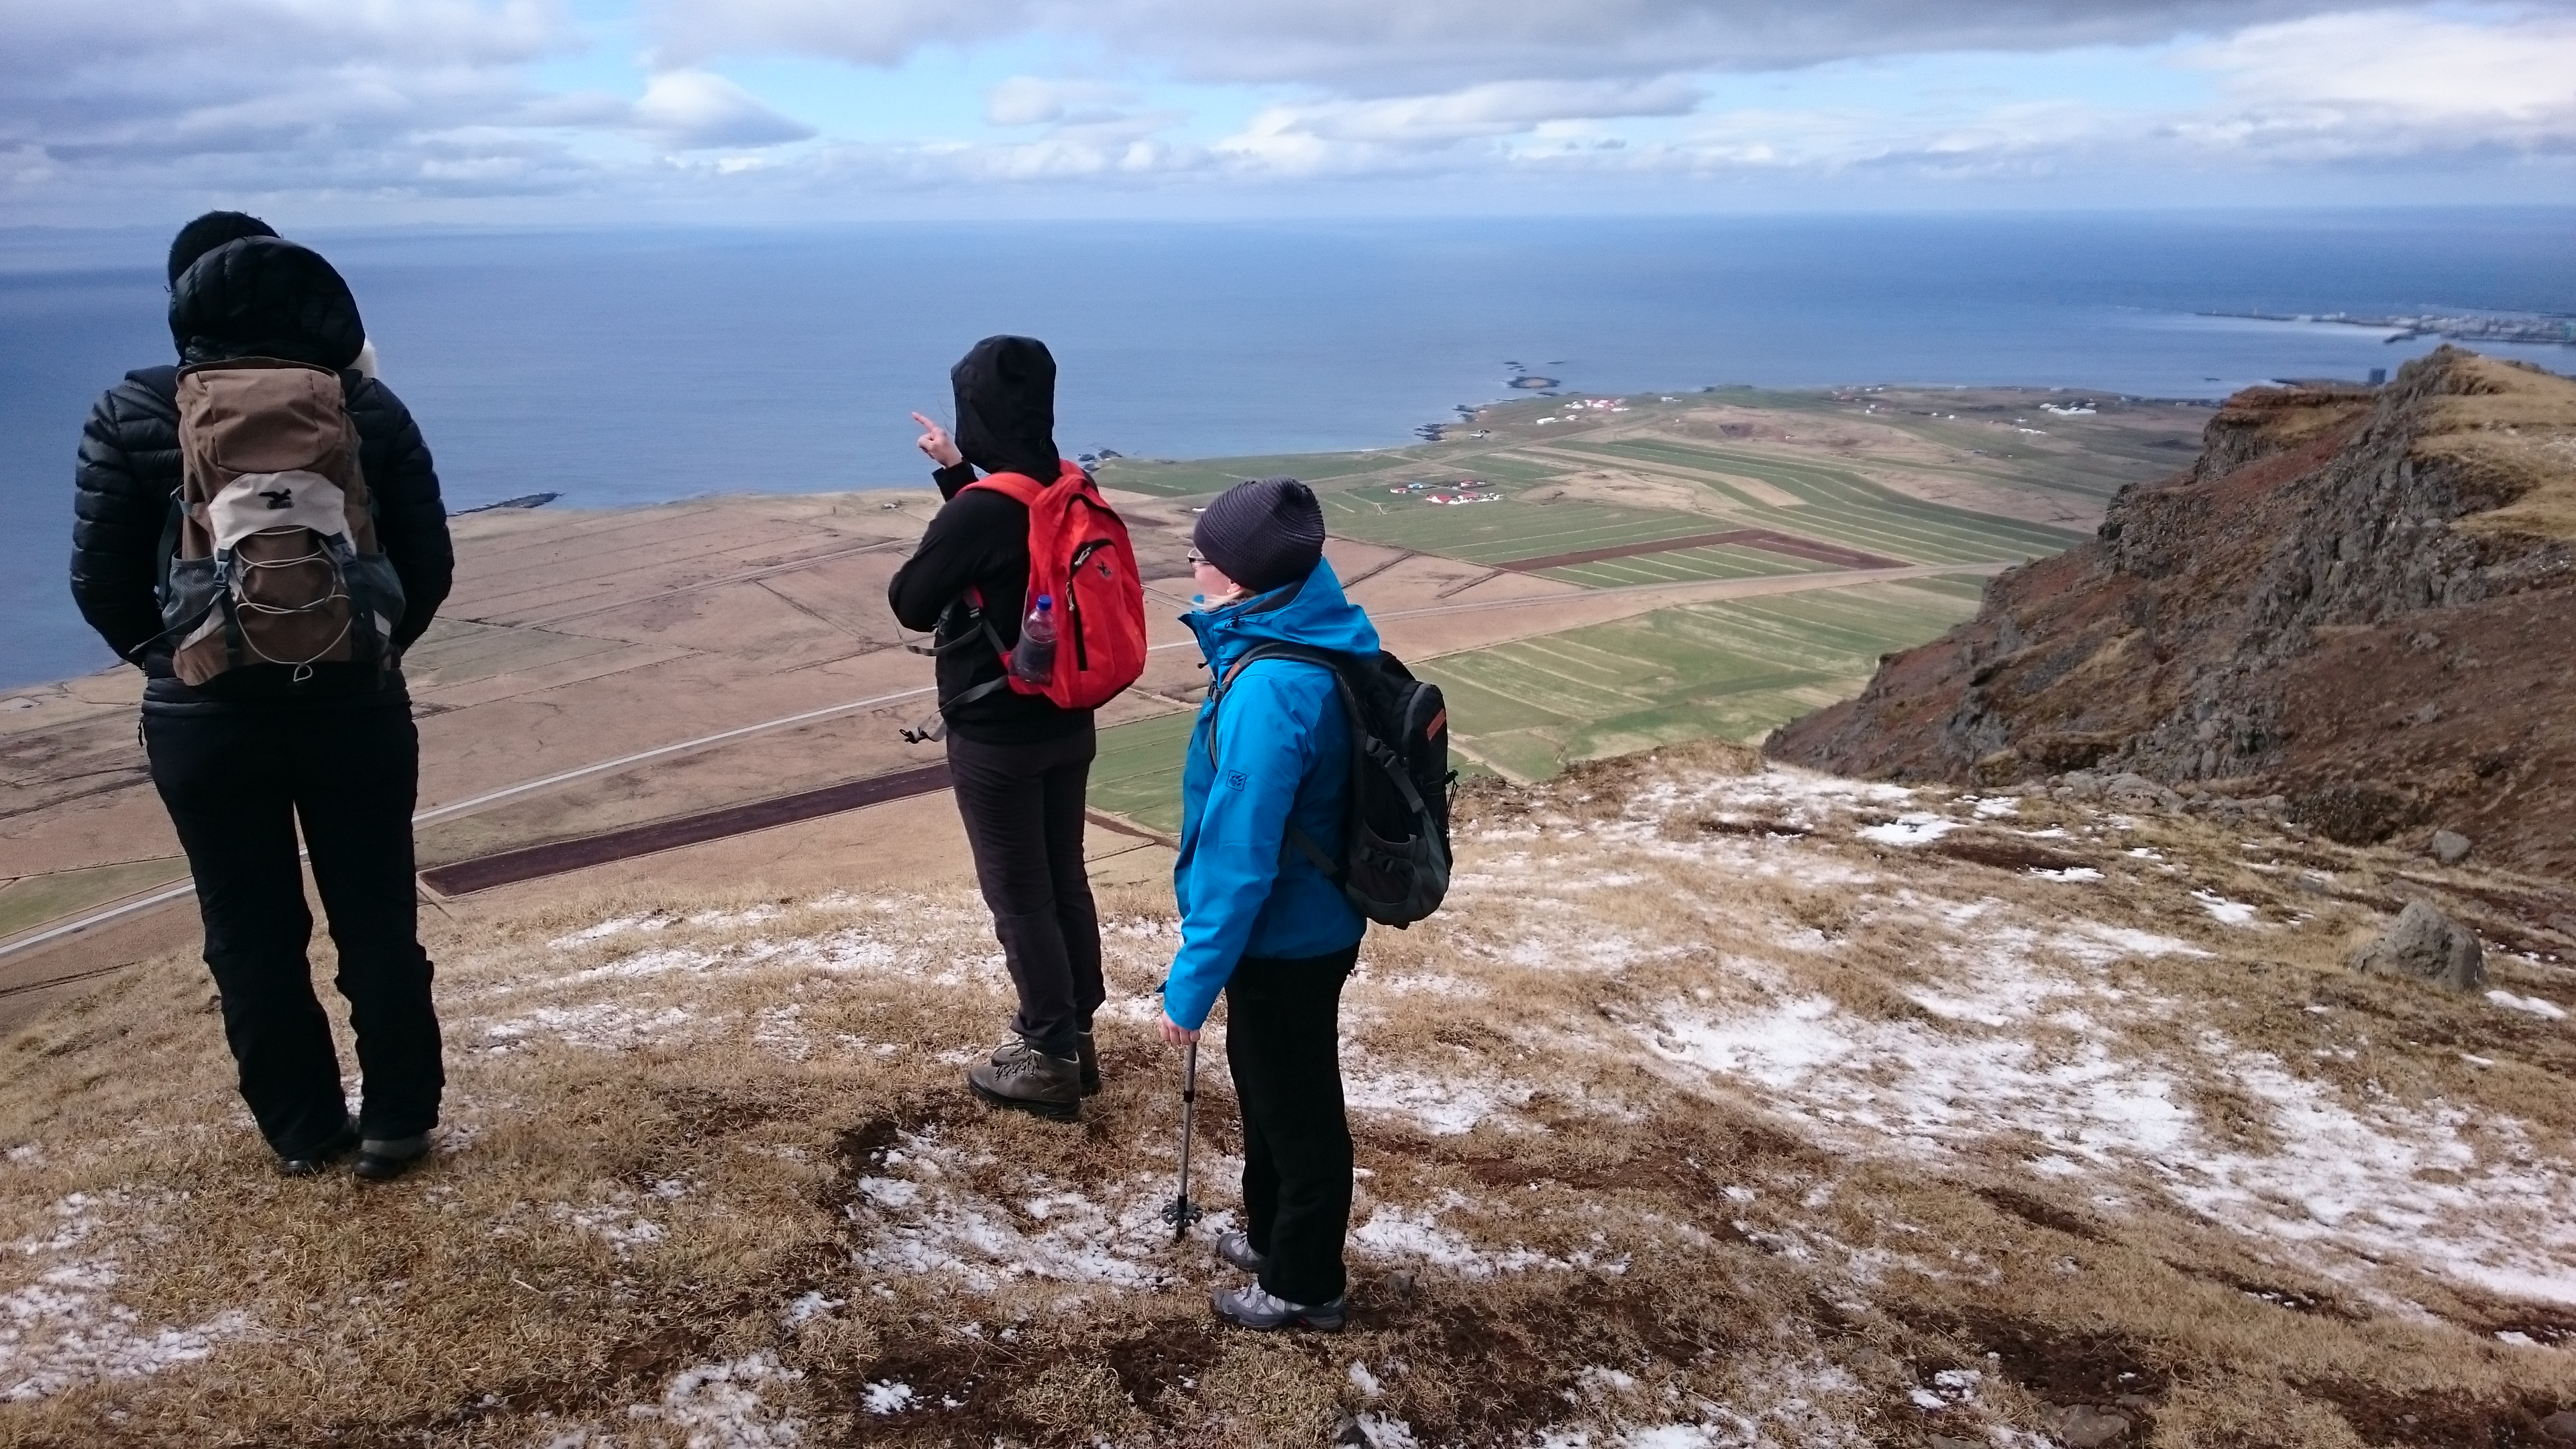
(2426, 946)
(2560, 1426)
(2083, 1426)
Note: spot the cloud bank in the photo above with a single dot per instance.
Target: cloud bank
(459, 106)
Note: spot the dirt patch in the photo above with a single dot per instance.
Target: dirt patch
(2003, 853)
(2392, 1419)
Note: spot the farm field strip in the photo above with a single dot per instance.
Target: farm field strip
(1724, 561)
(1822, 485)
(1732, 669)
(1492, 533)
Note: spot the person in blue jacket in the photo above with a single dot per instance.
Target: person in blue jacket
(1260, 922)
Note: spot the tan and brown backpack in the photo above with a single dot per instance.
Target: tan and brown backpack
(276, 559)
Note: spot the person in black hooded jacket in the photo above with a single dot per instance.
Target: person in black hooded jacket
(1019, 765)
(246, 758)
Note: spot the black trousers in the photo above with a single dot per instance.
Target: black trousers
(237, 785)
(1023, 810)
(1283, 1041)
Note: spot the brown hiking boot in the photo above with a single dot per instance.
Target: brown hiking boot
(1028, 1080)
(1088, 1054)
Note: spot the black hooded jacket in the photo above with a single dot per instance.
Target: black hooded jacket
(256, 297)
(1005, 392)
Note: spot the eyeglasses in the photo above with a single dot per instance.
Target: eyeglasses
(1197, 557)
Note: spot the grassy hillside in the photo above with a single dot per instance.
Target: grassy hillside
(1717, 1109)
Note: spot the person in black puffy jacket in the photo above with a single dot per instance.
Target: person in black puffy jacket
(258, 753)
(1019, 764)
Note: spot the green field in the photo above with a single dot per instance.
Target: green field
(1492, 533)
(1686, 565)
(1137, 773)
(1840, 506)
(1215, 475)
(1735, 670)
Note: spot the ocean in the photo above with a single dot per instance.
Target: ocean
(634, 366)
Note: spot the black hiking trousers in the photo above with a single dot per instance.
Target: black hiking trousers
(1283, 1042)
(1023, 810)
(238, 782)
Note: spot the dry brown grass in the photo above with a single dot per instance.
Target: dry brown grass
(1699, 1112)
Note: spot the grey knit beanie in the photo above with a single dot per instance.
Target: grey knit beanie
(1264, 533)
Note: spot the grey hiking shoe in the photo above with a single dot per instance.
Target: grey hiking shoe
(1236, 1248)
(1028, 1080)
(1253, 1306)
(1089, 1056)
(382, 1159)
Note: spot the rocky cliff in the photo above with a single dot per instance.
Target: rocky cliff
(2358, 606)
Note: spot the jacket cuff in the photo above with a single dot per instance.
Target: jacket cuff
(950, 480)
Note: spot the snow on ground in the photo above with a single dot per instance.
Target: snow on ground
(61, 1325)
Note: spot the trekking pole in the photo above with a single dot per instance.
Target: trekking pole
(1183, 1212)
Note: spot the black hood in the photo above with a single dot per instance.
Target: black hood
(1006, 407)
(262, 297)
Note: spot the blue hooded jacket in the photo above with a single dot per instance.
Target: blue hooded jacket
(1281, 753)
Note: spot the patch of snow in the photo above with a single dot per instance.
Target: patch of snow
(920, 1219)
(598, 1025)
(1994, 807)
(1364, 1381)
(1441, 1106)
(718, 1405)
(886, 1396)
(1382, 1431)
(810, 1305)
(2535, 1005)
(616, 1224)
(2223, 910)
(27, 1154)
(1393, 1231)
(2070, 873)
(1916, 828)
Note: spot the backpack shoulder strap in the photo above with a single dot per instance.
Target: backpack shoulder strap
(1018, 486)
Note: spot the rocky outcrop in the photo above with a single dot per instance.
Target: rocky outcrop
(2357, 601)
(2425, 945)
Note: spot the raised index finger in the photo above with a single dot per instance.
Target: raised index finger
(925, 422)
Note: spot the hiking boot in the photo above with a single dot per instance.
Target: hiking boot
(334, 1147)
(1236, 1248)
(1028, 1080)
(382, 1159)
(1089, 1056)
(1255, 1307)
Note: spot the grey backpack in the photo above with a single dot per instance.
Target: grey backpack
(1393, 866)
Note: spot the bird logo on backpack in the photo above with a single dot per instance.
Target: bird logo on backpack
(274, 559)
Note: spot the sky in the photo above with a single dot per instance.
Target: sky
(765, 111)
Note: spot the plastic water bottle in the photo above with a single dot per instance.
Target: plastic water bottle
(1033, 658)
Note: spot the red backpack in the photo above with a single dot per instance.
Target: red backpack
(1080, 556)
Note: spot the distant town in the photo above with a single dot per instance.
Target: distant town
(2530, 327)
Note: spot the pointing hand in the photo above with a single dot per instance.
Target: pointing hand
(935, 442)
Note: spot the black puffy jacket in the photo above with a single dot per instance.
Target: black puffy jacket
(258, 297)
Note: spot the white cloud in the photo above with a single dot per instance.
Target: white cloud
(688, 110)
(1400, 47)
(2391, 83)
(1027, 100)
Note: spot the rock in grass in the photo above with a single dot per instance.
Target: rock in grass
(2560, 1427)
(2450, 847)
(2426, 946)
(2086, 1427)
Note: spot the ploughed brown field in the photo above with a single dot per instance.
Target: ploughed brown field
(1728, 1104)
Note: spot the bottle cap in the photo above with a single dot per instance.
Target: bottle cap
(1046, 601)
